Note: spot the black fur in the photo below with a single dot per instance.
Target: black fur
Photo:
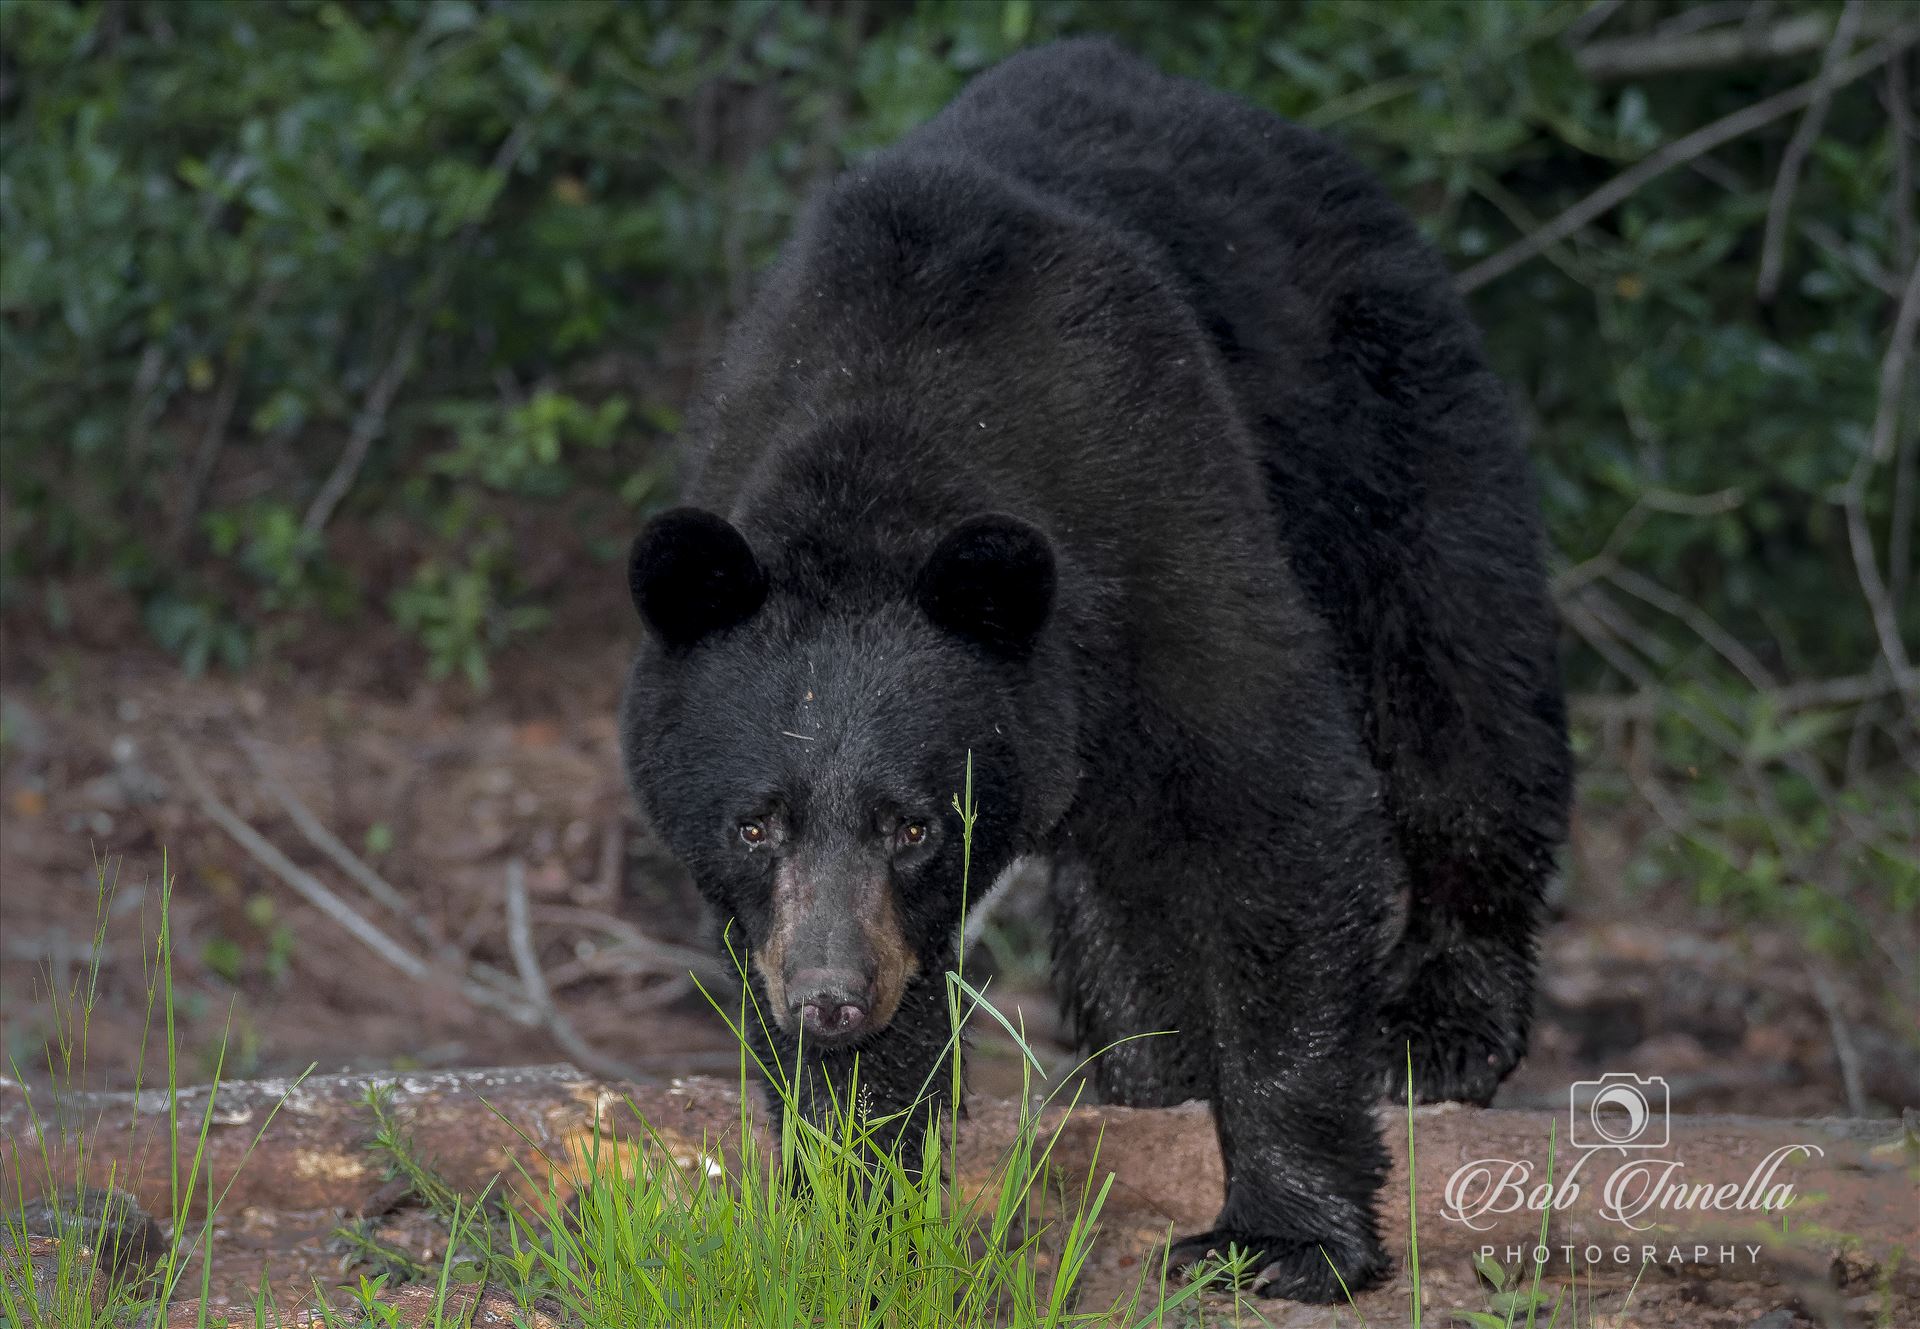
(1246, 629)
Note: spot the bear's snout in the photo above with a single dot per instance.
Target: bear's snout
(835, 962)
(829, 1003)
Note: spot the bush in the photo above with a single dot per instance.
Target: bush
(349, 309)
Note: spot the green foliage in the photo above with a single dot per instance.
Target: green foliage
(460, 260)
(222, 219)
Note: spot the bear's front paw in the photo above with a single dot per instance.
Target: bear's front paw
(1315, 1271)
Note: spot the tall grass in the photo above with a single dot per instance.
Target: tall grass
(832, 1225)
(829, 1224)
(104, 1272)
(835, 1225)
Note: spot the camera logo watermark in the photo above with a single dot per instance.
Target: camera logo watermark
(1618, 1111)
(1618, 1152)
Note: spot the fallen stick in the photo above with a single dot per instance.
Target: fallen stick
(315, 892)
(539, 995)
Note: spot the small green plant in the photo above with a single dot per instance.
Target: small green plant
(835, 1226)
(101, 1288)
(464, 612)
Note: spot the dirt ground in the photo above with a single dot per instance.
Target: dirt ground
(439, 790)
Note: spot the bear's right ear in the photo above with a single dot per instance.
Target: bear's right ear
(692, 574)
(990, 580)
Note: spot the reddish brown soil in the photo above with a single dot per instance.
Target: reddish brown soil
(439, 788)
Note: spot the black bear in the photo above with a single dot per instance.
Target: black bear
(1131, 440)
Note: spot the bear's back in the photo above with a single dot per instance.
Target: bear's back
(1285, 246)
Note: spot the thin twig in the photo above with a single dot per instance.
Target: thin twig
(213, 440)
(1886, 422)
(1709, 14)
(1829, 241)
(1651, 645)
(1814, 694)
(1840, 691)
(1681, 150)
(1843, 1049)
(1589, 616)
(329, 844)
(371, 422)
(1592, 20)
(370, 881)
(309, 888)
(1670, 52)
(142, 402)
(1644, 506)
(615, 962)
(1773, 246)
(520, 942)
(1906, 486)
(663, 956)
(1731, 648)
(1899, 103)
(613, 862)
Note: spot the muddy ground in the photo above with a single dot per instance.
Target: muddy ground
(440, 790)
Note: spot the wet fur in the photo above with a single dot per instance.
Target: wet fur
(1292, 734)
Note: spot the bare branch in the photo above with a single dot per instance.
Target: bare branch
(660, 956)
(616, 962)
(370, 881)
(213, 440)
(1592, 20)
(1669, 51)
(1843, 1049)
(1841, 691)
(1730, 647)
(371, 422)
(1894, 384)
(1682, 150)
(1899, 100)
(1773, 247)
(309, 888)
(1710, 14)
(143, 403)
(329, 844)
(1850, 690)
(527, 961)
(1829, 241)
(1644, 506)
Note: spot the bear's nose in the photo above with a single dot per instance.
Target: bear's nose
(830, 1003)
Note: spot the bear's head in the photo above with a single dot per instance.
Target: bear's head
(801, 738)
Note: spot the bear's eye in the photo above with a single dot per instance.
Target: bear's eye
(913, 833)
(753, 832)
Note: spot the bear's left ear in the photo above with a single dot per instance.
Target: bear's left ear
(692, 574)
(990, 580)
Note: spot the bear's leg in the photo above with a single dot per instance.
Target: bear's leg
(1302, 1151)
(1470, 741)
(1270, 975)
(1132, 1008)
(1463, 985)
(1478, 809)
